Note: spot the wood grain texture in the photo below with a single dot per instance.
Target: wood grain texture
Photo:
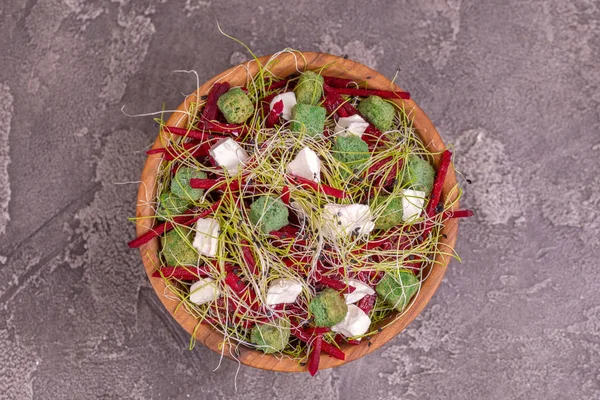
(287, 64)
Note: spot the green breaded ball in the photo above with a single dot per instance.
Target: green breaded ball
(309, 88)
(391, 214)
(177, 247)
(271, 338)
(396, 291)
(328, 308)
(268, 213)
(308, 119)
(169, 205)
(418, 174)
(378, 112)
(180, 185)
(352, 151)
(236, 106)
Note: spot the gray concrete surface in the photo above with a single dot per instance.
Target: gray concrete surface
(513, 84)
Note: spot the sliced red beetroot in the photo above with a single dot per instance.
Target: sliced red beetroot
(211, 109)
(367, 303)
(165, 227)
(326, 347)
(249, 257)
(315, 355)
(438, 183)
(458, 214)
(274, 114)
(339, 82)
(319, 187)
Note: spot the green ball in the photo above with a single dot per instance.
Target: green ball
(308, 119)
(418, 174)
(177, 247)
(268, 213)
(271, 337)
(170, 205)
(391, 214)
(352, 151)
(236, 106)
(396, 290)
(309, 88)
(180, 185)
(328, 308)
(378, 112)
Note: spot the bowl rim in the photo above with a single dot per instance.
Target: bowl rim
(237, 75)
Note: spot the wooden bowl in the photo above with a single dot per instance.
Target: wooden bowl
(287, 64)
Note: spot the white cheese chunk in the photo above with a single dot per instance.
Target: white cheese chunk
(412, 204)
(361, 291)
(206, 240)
(283, 291)
(345, 219)
(228, 154)
(306, 164)
(353, 124)
(289, 101)
(204, 291)
(355, 323)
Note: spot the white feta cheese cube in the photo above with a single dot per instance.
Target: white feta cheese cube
(306, 164)
(353, 124)
(345, 219)
(204, 291)
(206, 240)
(283, 291)
(355, 323)
(289, 101)
(228, 154)
(361, 290)
(412, 204)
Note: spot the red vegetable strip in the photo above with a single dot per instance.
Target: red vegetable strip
(367, 303)
(191, 133)
(326, 347)
(315, 355)
(217, 184)
(169, 225)
(274, 114)
(277, 85)
(319, 187)
(285, 195)
(235, 283)
(334, 102)
(181, 273)
(317, 330)
(458, 214)
(436, 192)
(156, 151)
(339, 82)
(249, 257)
(211, 109)
(386, 94)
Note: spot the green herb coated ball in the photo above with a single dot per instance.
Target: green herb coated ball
(418, 174)
(378, 112)
(391, 214)
(309, 88)
(308, 119)
(328, 308)
(236, 106)
(397, 290)
(352, 151)
(268, 213)
(180, 185)
(271, 337)
(177, 247)
(170, 205)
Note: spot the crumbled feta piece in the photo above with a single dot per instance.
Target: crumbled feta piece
(355, 323)
(361, 291)
(412, 204)
(204, 291)
(283, 291)
(346, 219)
(353, 124)
(306, 164)
(289, 101)
(206, 240)
(228, 154)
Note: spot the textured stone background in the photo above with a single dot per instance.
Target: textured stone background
(513, 85)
